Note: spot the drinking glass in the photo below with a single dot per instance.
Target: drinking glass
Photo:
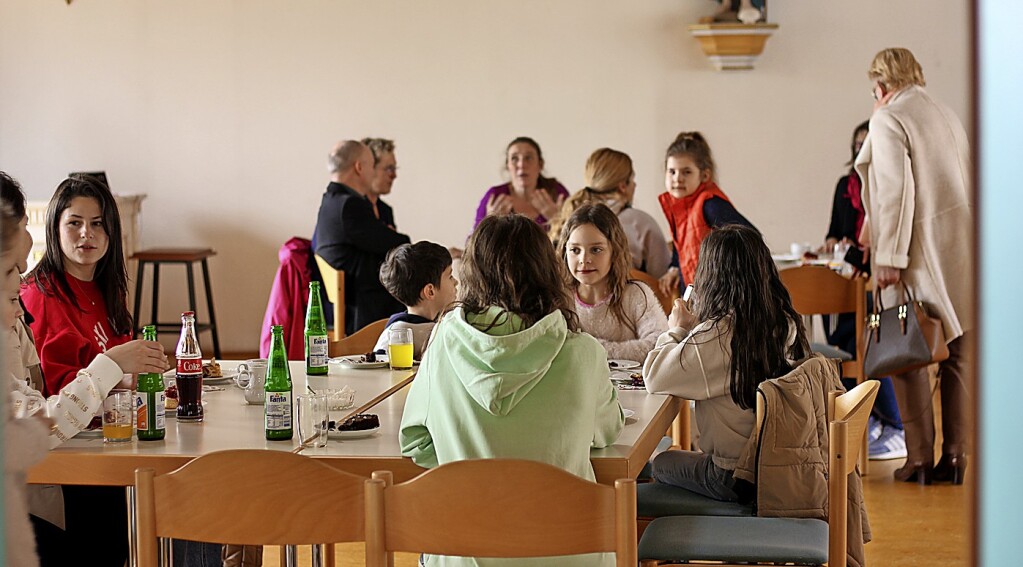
(118, 411)
(313, 416)
(399, 348)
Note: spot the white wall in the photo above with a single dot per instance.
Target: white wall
(223, 111)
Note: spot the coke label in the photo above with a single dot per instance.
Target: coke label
(189, 366)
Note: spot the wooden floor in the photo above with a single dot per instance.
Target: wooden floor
(912, 525)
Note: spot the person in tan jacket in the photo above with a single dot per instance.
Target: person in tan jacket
(915, 167)
(741, 330)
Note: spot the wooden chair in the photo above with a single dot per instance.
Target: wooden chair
(500, 508)
(334, 285)
(362, 341)
(818, 290)
(737, 541)
(680, 428)
(249, 497)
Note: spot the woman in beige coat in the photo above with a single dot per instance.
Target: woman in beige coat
(915, 167)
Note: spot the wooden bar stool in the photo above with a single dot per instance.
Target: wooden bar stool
(188, 257)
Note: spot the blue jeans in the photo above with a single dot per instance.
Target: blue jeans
(695, 472)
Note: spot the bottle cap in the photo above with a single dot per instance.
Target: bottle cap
(188, 314)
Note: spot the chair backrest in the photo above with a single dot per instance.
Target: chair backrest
(818, 290)
(361, 341)
(334, 285)
(666, 302)
(249, 497)
(470, 508)
(853, 407)
(847, 414)
(847, 423)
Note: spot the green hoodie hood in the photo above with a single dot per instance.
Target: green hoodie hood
(499, 367)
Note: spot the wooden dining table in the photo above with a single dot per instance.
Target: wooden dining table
(231, 423)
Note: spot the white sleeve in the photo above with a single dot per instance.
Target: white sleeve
(690, 364)
(72, 409)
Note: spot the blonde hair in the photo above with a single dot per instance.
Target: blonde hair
(896, 68)
(606, 171)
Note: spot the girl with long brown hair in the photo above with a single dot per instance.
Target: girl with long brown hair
(623, 314)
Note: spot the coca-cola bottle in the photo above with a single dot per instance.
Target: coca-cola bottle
(189, 372)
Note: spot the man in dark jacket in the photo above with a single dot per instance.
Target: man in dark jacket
(350, 237)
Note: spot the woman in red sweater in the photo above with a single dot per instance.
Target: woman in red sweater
(77, 294)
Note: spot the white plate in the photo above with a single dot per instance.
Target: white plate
(360, 434)
(618, 364)
(786, 258)
(357, 361)
(628, 413)
(228, 375)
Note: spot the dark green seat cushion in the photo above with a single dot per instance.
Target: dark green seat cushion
(656, 500)
(780, 540)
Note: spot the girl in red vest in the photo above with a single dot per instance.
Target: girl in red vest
(693, 204)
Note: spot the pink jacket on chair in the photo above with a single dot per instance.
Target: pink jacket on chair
(288, 298)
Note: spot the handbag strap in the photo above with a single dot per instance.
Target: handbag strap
(874, 319)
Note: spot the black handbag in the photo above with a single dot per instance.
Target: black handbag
(902, 338)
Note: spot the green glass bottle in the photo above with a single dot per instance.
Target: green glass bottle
(150, 401)
(278, 410)
(315, 334)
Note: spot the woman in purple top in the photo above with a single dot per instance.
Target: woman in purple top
(529, 192)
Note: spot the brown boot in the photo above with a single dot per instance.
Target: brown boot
(913, 393)
(955, 400)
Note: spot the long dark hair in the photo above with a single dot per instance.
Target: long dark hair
(110, 276)
(604, 220)
(736, 277)
(510, 263)
(863, 127)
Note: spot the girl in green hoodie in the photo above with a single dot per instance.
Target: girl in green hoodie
(508, 374)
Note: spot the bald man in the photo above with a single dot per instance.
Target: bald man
(350, 236)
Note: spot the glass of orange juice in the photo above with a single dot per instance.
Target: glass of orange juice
(399, 348)
(118, 409)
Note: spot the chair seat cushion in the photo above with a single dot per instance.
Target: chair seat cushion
(830, 351)
(780, 540)
(656, 500)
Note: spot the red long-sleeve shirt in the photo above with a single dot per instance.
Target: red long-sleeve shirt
(68, 338)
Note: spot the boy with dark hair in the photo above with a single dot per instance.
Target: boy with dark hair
(419, 276)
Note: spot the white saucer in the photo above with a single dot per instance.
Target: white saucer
(619, 364)
(360, 434)
(358, 361)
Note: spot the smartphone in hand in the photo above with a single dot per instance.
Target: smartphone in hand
(687, 293)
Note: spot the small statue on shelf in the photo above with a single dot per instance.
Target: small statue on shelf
(745, 11)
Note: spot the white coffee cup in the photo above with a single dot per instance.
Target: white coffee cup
(252, 379)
